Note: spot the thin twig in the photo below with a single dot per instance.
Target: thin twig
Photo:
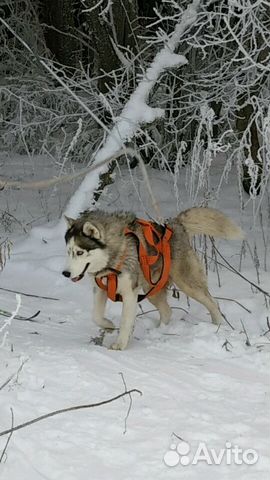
(226, 320)
(27, 294)
(68, 409)
(238, 273)
(248, 344)
(225, 345)
(177, 436)
(268, 325)
(235, 301)
(51, 182)
(6, 382)
(130, 401)
(9, 437)
(19, 317)
(175, 290)
(217, 270)
(155, 310)
(155, 204)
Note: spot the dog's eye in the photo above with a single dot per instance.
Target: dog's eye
(80, 252)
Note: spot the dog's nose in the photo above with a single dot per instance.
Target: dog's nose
(66, 273)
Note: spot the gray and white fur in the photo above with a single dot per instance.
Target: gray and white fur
(96, 243)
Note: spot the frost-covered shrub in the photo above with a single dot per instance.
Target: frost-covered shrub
(218, 102)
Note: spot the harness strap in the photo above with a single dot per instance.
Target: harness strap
(161, 244)
(162, 248)
(110, 286)
(112, 281)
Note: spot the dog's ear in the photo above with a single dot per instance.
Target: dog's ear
(69, 221)
(91, 231)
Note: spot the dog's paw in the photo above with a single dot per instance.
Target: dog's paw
(106, 324)
(119, 345)
(165, 320)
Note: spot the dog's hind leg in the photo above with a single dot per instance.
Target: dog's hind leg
(160, 302)
(100, 299)
(188, 275)
(203, 297)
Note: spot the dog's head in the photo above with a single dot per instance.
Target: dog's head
(86, 249)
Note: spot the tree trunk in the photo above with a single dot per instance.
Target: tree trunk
(244, 115)
(58, 15)
(117, 27)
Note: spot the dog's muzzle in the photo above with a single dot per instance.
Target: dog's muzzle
(67, 274)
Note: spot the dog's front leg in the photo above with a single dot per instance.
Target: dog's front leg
(127, 319)
(100, 299)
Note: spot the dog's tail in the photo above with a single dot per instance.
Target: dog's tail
(208, 221)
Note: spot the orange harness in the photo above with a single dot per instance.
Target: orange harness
(160, 242)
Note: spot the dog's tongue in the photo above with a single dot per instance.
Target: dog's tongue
(76, 279)
(79, 277)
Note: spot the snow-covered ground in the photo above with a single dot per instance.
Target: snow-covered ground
(198, 383)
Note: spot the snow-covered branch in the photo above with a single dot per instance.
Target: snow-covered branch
(136, 111)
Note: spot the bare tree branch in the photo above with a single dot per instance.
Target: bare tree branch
(68, 409)
(9, 437)
(248, 344)
(238, 273)
(27, 294)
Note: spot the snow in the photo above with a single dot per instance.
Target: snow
(192, 386)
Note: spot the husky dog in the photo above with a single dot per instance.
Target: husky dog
(97, 244)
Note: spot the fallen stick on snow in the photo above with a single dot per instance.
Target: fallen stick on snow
(27, 294)
(8, 439)
(6, 313)
(68, 409)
